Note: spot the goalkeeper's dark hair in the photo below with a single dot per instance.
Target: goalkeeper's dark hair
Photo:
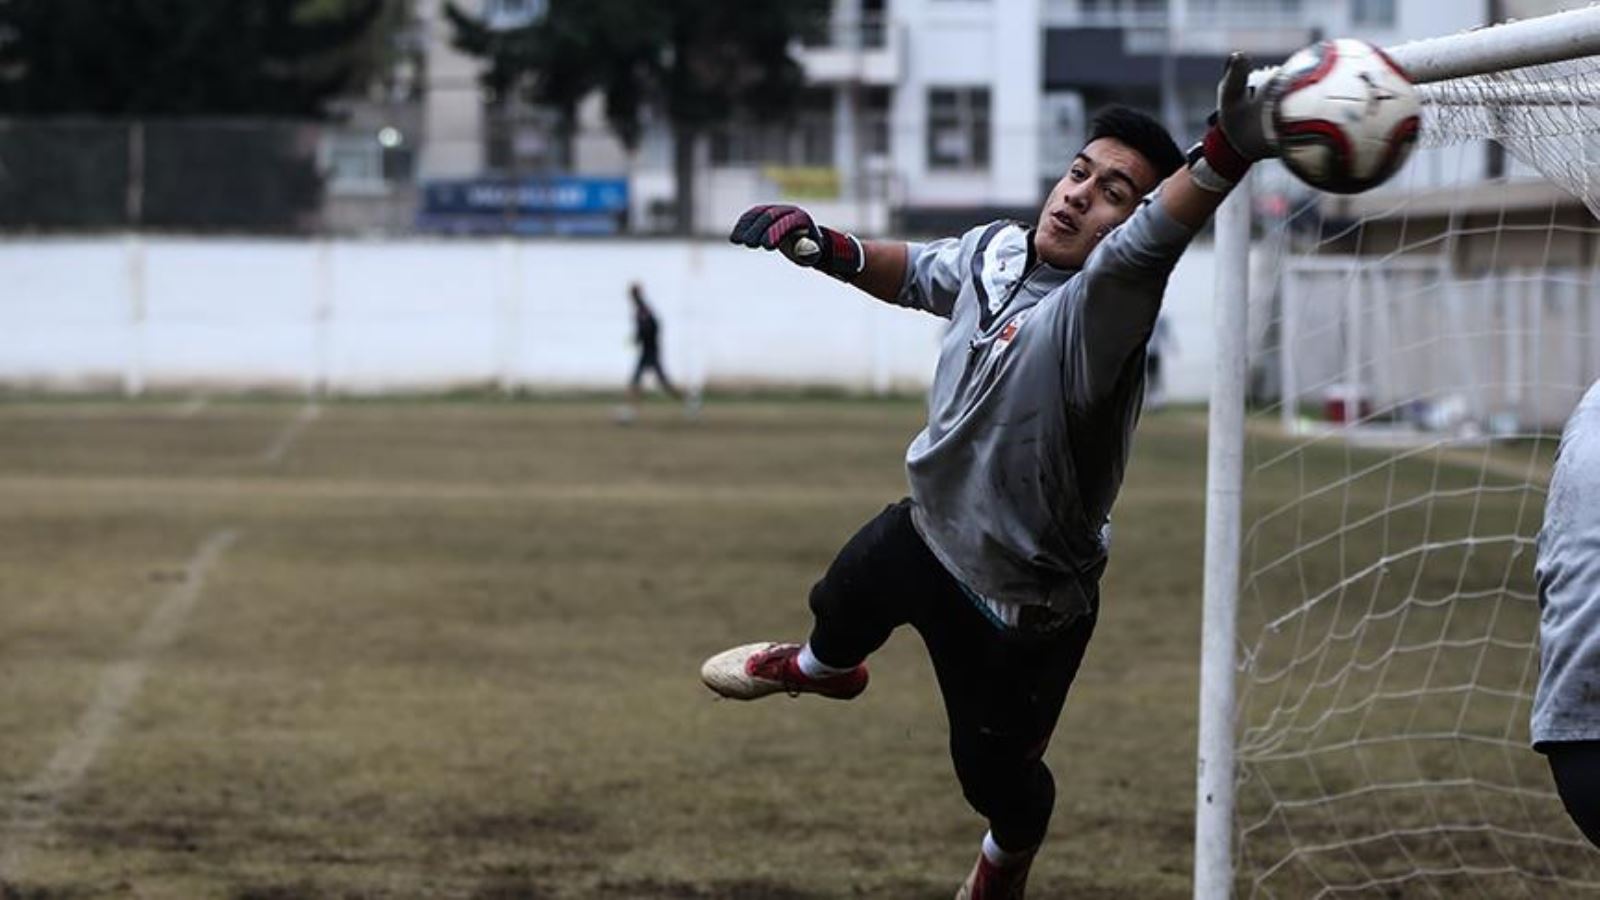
(1140, 131)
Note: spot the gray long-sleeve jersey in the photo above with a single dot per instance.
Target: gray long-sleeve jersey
(1566, 705)
(1033, 405)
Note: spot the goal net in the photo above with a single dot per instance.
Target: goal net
(1413, 355)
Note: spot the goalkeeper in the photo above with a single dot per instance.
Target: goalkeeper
(995, 558)
(1566, 705)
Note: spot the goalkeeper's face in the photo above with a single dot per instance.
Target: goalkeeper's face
(1101, 189)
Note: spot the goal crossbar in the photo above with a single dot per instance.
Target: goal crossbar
(1514, 45)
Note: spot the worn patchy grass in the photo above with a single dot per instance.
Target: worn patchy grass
(454, 653)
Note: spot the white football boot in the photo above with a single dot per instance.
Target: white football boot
(756, 670)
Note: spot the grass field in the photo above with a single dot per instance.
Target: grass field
(450, 649)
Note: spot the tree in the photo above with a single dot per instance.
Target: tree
(178, 57)
(697, 61)
(163, 63)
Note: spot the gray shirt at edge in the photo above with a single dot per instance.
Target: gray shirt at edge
(1566, 705)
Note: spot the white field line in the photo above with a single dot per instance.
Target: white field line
(285, 438)
(37, 802)
(193, 406)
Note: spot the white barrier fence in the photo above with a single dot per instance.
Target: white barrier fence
(141, 313)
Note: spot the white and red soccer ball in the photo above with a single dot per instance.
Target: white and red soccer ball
(1346, 116)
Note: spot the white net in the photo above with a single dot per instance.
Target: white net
(1415, 353)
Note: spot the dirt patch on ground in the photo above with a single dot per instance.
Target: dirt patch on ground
(276, 892)
(516, 883)
(303, 890)
(13, 891)
(751, 889)
(182, 836)
(519, 827)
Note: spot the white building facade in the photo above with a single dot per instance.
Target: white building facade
(919, 115)
(924, 114)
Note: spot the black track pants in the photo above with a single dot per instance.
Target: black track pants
(1003, 691)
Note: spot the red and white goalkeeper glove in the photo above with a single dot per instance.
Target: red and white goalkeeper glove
(790, 231)
(1241, 131)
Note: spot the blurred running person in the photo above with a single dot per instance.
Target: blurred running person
(995, 558)
(647, 337)
(1566, 705)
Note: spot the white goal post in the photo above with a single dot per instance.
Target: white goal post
(1382, 271)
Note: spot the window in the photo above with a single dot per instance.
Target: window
(805, 138)
(868, 30)
(874, 24)
(1245, 13)
(1063, 118)
(876, 105)
(1117, 13)
(1132, 7)
(522, 140)
(1372, 12)
(353, 162)
(506, 14)
(958, 128)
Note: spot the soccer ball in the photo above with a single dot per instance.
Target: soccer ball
(1345, 114)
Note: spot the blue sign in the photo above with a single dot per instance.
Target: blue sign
(554, 205)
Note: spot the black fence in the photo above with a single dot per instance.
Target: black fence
(258, 176)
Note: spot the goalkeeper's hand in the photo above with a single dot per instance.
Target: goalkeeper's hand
(1241, 130)
(791, 231)
(1242, 112)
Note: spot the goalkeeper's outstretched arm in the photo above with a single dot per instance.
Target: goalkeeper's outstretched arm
(1187, 202)
(877, 267)
(883, 271)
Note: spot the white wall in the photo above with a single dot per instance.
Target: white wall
(362, 316)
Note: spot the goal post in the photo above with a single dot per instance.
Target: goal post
(1382, 414)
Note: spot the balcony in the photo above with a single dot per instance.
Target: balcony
(860, 51)
(1138, 14)
(1203, 27)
